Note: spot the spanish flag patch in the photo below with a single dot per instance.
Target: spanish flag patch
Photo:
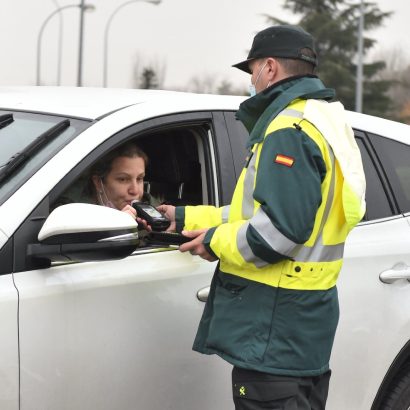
(284, 160)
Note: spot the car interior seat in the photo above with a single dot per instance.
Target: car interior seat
(173, 174)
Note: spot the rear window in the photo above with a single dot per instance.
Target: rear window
(27, 142)
(377, 204)
(395, 158)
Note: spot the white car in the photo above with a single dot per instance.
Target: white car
(90, 319)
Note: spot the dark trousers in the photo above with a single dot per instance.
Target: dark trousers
(254, 391)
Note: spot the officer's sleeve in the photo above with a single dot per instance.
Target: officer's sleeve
(288, 187)
(200, 217)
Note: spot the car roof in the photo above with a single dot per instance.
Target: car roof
(381, 126)
(93, 103)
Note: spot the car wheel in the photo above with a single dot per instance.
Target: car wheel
(398, 395)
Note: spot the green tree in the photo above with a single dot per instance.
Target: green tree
(334, 24)
(397, 72)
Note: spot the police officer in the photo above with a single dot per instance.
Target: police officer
(273, 310)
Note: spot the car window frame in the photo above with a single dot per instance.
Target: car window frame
(27, 232)
(238, 136)
(133, 132)
(389, 169)
(381, 174)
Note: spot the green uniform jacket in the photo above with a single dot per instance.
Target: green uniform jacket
(268, 310)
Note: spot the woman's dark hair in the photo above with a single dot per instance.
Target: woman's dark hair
(104, 165)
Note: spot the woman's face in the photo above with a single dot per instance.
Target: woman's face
(124, 183)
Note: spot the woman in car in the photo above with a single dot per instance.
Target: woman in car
(115, 181)
(118, 178)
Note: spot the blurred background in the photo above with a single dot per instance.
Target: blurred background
(188, 45)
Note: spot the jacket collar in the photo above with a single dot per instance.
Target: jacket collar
(257, 112)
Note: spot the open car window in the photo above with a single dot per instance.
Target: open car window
(184, 151)
(176, 172)
(377, 203)
(395, 157)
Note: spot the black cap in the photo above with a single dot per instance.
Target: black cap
(280, 41)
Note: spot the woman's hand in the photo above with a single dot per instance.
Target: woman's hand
(144, 223)
(131, 211)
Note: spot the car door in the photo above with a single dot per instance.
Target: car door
(9, 363)
(374, 327)
(374, 322)
(21, 134)
(118, 334)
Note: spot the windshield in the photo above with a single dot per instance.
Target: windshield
(23, 131)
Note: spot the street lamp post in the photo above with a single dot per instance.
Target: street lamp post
(60, 43)
(80, 46)
(107, 28)
(40, 33)
(359, 71)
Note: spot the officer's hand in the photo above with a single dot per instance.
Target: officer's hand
(196, 246)
(169, 212)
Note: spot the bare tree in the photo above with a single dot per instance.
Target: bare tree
(205, 84)
(210, 84)
(227, 88)
(149, 79)
(148, 73)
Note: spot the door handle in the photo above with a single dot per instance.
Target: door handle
(398, 272)
(203, 294)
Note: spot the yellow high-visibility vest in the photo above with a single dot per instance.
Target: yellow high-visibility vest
(314, 265)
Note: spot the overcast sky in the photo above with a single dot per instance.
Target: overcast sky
(186, 38)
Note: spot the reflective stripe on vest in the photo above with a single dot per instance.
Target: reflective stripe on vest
(272, 236)
(290, 112)
(245, 250)
(225, 213)
(248, 183)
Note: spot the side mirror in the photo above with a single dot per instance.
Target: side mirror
(85, 232)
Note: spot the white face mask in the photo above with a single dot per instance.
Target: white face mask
(103, 198)
(252, 90)
(252, 87)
